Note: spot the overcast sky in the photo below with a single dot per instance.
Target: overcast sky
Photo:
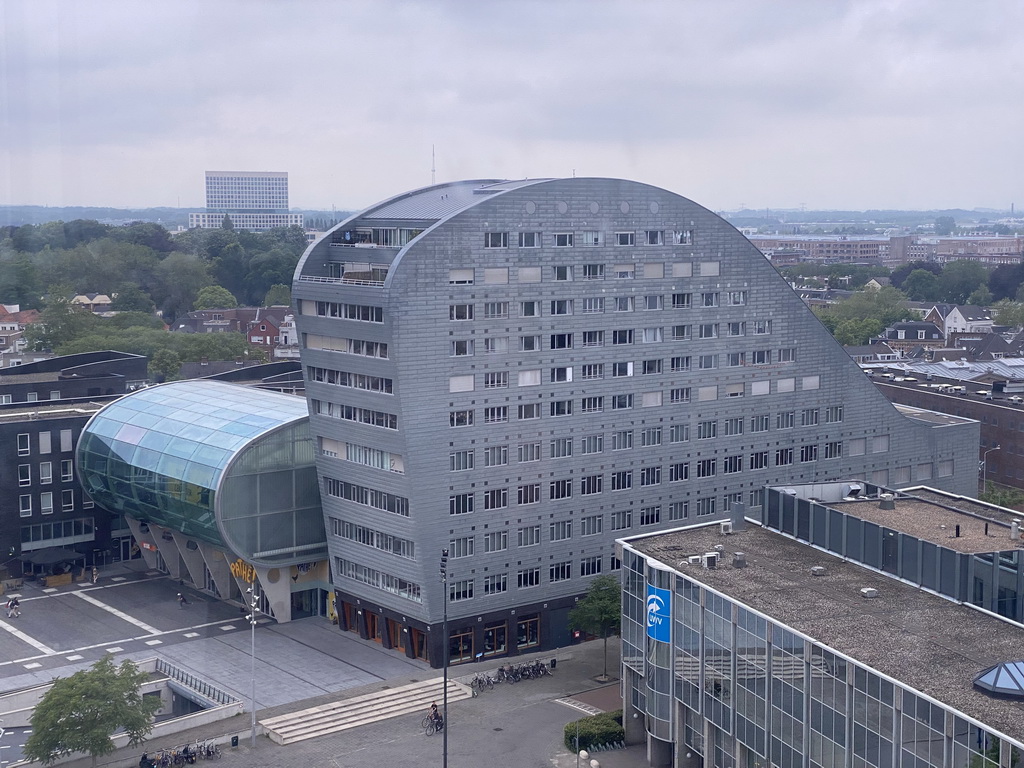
(869, 104)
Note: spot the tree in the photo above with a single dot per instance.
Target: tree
(131, 298)
(164, 365)
(1009, 313)
(960, 278)
(600, 612)
(215, 297)
(981, 297)
(81, 712)
(227, 223)
(921, 285)
(278, 295)
(60, 322)
(944, 225)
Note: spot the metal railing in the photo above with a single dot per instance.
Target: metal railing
(343, 280)
(187, 679)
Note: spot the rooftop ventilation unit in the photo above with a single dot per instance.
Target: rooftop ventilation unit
(887, 501)
(725, 527)
(852, 490)
(818, 570)
(711, 560)
(1015, 530)
(694, 559)
(739, 560)
(869, 592)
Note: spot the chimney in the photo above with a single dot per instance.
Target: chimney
(739, 560)
(1015, 530)
(887, 501)
(738, 515)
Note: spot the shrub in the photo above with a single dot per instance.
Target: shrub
(595, 730)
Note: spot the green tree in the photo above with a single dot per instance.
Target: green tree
(852, 333)
(959, 279)
(81, 712)
(278, 295)
(944, 225)
(60, 322)
(215, 297)
(227, 223)
(1009, 313)
(981, 297)
(921, 285)
(600, 612)
(164, 365)
(179, 279)
(131, 298)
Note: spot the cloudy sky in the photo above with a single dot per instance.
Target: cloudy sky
(829, 104)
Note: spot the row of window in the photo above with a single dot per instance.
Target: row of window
(44, 442)
(67, 472)
(46, 503)
(351, 380)
(499, 345)
(362, 312)
(535, 274)
(59, 532)
(465, 589)
(499, 310)
(370, 537)
(589, 238)
(30, 397)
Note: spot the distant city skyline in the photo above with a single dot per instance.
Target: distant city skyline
(897, 104)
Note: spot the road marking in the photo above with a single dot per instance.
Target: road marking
(74, 657)
(579, 705)
(226, 628)
(115, 649)
(120, 614)
(33, 665)
(48, 590)
(191, 634)
(117, 578)
(25, 638)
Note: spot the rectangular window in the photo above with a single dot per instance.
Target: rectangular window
(591, 444)
(650, 476)
(561, 408)
(560, 571)
(46, 503)
(591, 525)
(759, 423)
(528, 494)
(783, 457)
(621, 402)
(24, 474)
(592, 371)
(736, 359)
(623, 303)
(682, 300)
(653, 335)
(461, 547)
(705, 507)
(460, 504)
(529, 274)
(460, 277)
(593, 271)
(496, 414)
(23, 444)
(833, 414)
(529, 452)
(650, 436)
(593, 305)
(879, 443)
(707, 467)
(736, 298)
(460, 590)
(654, 237)
(591, 484)
(560, 530)
(683, 237)
(528, 378)
(785, 420)
(809, 417)
(529, 411)
(650, 515)
(732, 465)
(787, 355)
(461, 383)
(460, 461)
(561, 341)
(621, 520)
(709, 299)
(496, 380)
(563, 240)
(622, 369)
(495, 310)
(561, 306)
(496, 541)
(592, 404)
(707, 430)
(622, 440)
(528, 578)
(679, 395)
(622, 480)
(461, 348)
(708, 330)
(560, 374)
(590, 566)
(707, 362)
(679, 433)
(623, 271)
(561, 447)
(761, 357)
(625, 238)
(529, 309)
(529, 343)
(593, 338)
(495, 498)
(652, 303)
(679, 472)
(25, 505)
(461, 418)
(67, 471)
(529, 239)
(496, 456)
(737, 329)
(460, 312)
(528, 536)
(650, 399)
(759, 460)
(496, 345)
(495, 583)
(65, 439)
(495, 239)
(808, 453)
(622, 337)
(834, 450)
(592, 237)
(680, 364)
(682, 332)
(678, 510)
(563, 273)
(762, 327)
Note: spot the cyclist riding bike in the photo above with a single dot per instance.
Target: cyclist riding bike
(435, 715)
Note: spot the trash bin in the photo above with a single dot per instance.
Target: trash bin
(234, 741)
(554, 663)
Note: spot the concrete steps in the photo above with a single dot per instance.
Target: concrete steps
(351, 713)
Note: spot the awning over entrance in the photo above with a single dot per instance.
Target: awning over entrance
(53, 556)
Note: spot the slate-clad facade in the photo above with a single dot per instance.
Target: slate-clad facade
(522, 372)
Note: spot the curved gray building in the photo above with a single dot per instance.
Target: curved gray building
(522, 372)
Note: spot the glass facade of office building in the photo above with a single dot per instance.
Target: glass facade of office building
(746, 691)
(226, 465)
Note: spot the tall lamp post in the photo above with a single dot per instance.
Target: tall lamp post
(444, 633)
(254, 609)
(984, 468)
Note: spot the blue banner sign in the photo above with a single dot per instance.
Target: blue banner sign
(659, 614)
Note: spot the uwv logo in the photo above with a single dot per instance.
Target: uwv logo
(659, 614)
(655, 609)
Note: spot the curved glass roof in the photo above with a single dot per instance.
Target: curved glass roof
(1003, 680)
(162, 453)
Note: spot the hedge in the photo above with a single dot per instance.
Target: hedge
(595, 730)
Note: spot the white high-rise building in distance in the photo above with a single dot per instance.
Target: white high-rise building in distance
(253, 200)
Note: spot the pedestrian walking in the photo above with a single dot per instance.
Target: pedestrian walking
(95, 574)
(13, 608)
(182, 602)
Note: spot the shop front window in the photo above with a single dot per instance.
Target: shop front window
(528, 632)
(460, 646)
(495, 638)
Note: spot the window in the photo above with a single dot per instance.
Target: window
(24, 474)
(625, 238)
(623, 303)
(593, 305)
(682, 301)
(707, 467)
(650, 476)
(495, 310)
(23, 445)
(678, 510)
(496, 456)
(529, 452)
(591, 444)
(592, 371)
(736, 298)
(496, 414)
(460, 590)
(529, 343)
(593, 271)
(561, 408)
(808, 453)
(622, 369)
(785, 420)
(732, 465)
(737, 329)
(592, 404)
(561, 307)
(679, 433)
(561, 341)
(682, 332)
(858, 447)
(650, 436)
(707, 430)
(528, 578)
(679, 395)
(529, 309)
(495, 583)
(461, 418)
(707, 362)
(460, 504)
(652, 303)
(593, 238)
(759, 423)
(563, 273)
(762, 327)
(561, 374)
(787, 355)
(560, 571)
(591, 484)
(529, 239)
(460, 461)
(460, 276)
(650, 515)
(708, 330)
(67, 471)
(590, 566)
(529, 411)
(683, 237)
(679, 472)
(705, 507)
(593, 338)
(679, 364)
(622, 337)
(653, 335)
(736, 359)
(528, 378)
(809, 417)
(25, 505)
(620, 402)
(462, 348)
(496, 380)
(495, 239)
(460, 312)
(561, 447)
(783, 457)
(591, 525)
(622, 480)
(560, 530)
(709, 299)
(621, 520)
(833, 414)
(65, 439)
(759, 460)
(834, 450)
(528, 494)
(496, 541)
(879, 443)
(461, 547)
(496, 498)
(563, 240)
(496, 345)
(622, 440)
(528, 536)
(623, 271)
(46, 503)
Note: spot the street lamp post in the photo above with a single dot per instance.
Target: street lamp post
(254, 609)
(444, 633)
(984, 468)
